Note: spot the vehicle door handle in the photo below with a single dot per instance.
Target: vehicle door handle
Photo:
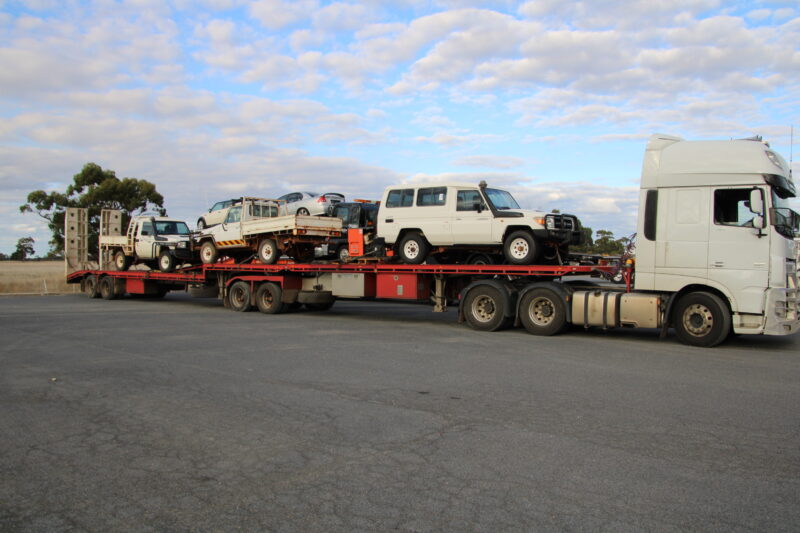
(389, 220)
(718, 264)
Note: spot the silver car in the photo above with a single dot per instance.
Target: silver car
(311, 203)
(216, 214)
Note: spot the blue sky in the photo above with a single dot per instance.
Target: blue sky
(210, 99)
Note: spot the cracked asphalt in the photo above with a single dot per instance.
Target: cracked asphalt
(182, 416)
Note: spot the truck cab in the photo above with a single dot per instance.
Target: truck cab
(714, 217)
(471, 218)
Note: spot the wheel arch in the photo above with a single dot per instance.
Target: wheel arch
(675, 297)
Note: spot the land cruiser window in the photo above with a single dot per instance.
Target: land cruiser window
(235, 214)
(400, 198)
(431, 196)
(732, 207)
(147, 228)
(468, 201)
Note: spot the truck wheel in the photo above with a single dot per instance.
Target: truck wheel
(484, 308)
(90, 286)
(520, 248)
(201, 223)
(239, 296)
(107, 288)
(121, 261)
(543, 312)
(166, 261)
(268, 252)
(413, 248)
(268, 298)
(701, 319)
(208, 253)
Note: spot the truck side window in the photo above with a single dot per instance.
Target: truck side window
(468, 201)
(431, 196)
(147, 228)
(650, 215)
(732, 207)
(400, 198)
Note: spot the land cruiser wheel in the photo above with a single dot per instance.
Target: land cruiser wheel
(268, 298)
(239, 296)
(413, 249)
(208, 253)
(701, 319)
(166, 262)
(543, 312)
(268, 251)
(121, 261)
(520, 248)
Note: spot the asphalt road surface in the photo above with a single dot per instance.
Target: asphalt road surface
(180, 415)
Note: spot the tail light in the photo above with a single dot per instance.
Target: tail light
(321, 199)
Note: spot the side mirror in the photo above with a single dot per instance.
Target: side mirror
(756, 203)
(477, 206)
(758, 222)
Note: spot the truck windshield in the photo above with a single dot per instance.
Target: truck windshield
(785, 220)
(502, 199)
(168, 227)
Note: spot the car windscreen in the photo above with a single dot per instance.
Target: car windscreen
(502, 199)
(171, 228)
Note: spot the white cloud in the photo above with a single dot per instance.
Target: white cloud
(490, 161)
(277, 14)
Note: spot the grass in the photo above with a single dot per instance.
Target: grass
(34, 277)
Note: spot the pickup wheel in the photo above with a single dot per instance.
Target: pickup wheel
(543, 312)
(268, 252)
(520, 248)
(121, 261)
(166, 261)
(413, 248)
(268, 298)
(107, 288)
(201, 223)
(239, 296)
(701, 319)
(208, 253)
(90, 286)
(484, 308)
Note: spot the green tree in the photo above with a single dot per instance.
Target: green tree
(606, 244)
(95, 189)
(24, 249)
(587, 244)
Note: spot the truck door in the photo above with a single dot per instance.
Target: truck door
(145, 240)
(473, 220)
(738, 257)
(682, 247)
(229, 233)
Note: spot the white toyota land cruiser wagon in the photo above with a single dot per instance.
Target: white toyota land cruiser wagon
(415, 220)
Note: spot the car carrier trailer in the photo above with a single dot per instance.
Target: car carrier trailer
(715, 255)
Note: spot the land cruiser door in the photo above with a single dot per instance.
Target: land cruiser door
(145, 240)
(229, 233)
(473, 220)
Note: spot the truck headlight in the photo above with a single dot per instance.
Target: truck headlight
(550, 223)
(183, 244)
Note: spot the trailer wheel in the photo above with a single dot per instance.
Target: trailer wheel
(121, 261)
(208, 253)
(107, 289)
(90, 286)
(268, 252)
(701, 319)
(543, 312)
(268, 298)
(166, 261)
(239, 296)
(520, 248)
(413, 248)
(484, 308)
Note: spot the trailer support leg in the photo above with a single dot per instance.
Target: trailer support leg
(439, 298)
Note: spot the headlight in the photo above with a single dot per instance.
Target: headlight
(183, 244)
(550, 223)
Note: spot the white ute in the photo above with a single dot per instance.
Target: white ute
(155, 241)
(475, 220)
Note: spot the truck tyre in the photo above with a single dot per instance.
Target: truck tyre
(208, 253)
(520, 248)
(201, 224)
(484, 308)
(121, 261)
(543, 312)
(239, 296)
(90, 286)
(701, 319)
(268, 298)
(268, 252)
(166, 261)
(413, 248)
(107, 289)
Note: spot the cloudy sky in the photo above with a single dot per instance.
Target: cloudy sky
(210, 99)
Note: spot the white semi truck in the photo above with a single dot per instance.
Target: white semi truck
(715, 255)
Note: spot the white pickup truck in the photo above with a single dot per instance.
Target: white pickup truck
(155, 241)
(262, 226)
(477, 221)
